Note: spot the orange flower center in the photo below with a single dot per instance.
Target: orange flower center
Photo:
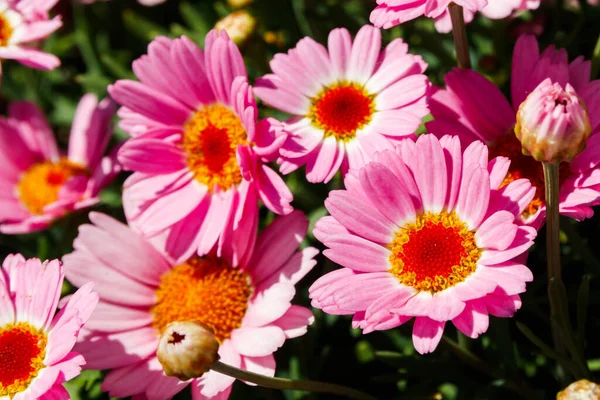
(524, 167)
(205, 289)
(22, 352)
(40, 184)
(433, 253)
(6, 30)
(210, 140)
(341, 110)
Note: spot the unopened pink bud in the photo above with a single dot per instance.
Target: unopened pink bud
(552, 123)
(187, 349)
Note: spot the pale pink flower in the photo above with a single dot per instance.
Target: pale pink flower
(552, 123)
(474, 109)
(23, 22)
(390, 13)
(424, 231)
(142, 291)
(40, 183)
(197, 150)
(349, 101)
(35, 344)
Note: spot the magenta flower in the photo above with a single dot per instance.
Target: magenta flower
(390, 13)
(425, 231)
(249, 307)
(36, 345)
(349, 101)
(23, 22)
(197, 150)
(474, 109)
(39, 183)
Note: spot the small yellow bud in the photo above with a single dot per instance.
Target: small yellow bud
(239, 3)
(580, 390)
(239, 25)
(187, 349)
(552, 123)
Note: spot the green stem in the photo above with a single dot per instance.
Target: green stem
(470, 358)
(459, 32)
(552, 220)
(553, 244)
(289, 384)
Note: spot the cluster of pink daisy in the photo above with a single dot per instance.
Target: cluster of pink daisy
(428, 229)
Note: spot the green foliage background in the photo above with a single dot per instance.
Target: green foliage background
(97, 45)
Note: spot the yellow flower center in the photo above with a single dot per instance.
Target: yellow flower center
(205, 289)
(40, 184)
(22, 352)
(341, 110)
(210, 140)
(435, 252)
(6, 30)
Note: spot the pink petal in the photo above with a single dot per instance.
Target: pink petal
(295, 321)
(118, 349)
(269, 305)
(357, 253)
(91, 130)
(31, 57)
(386, 192)
(427, 334)
(358, 216)
(257, 342)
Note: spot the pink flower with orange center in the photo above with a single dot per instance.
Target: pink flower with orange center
(474, 109)
(248, 306)
(23, 22)
(40, 184)
(426, 232)
(389, 13)
(35, 344)
(198, 152)
(348, 101)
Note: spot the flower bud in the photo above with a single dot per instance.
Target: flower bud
(580, 390)
(552, 123)
(239, 3)
(239, 25)
(187, 349)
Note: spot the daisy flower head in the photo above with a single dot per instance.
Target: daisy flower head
(425, 232)
(248, 307)
(389, 13)
(35, 344)
(474, 109)
(40, 183)
(23, 22)
(197, 151)
(348, 101)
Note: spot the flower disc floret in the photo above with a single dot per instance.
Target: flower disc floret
(22, 352)
(6, 30)
(341, 110)
(211, 137)
(40, 184)
(203, 289)
(434, 253)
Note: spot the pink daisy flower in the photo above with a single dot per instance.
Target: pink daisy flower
(432, 237)
(474, 109)
(140, 294)
(35, 344)
(390, 13)
(197, 150)
(23, 22)
(40, 184)
(349, 101)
